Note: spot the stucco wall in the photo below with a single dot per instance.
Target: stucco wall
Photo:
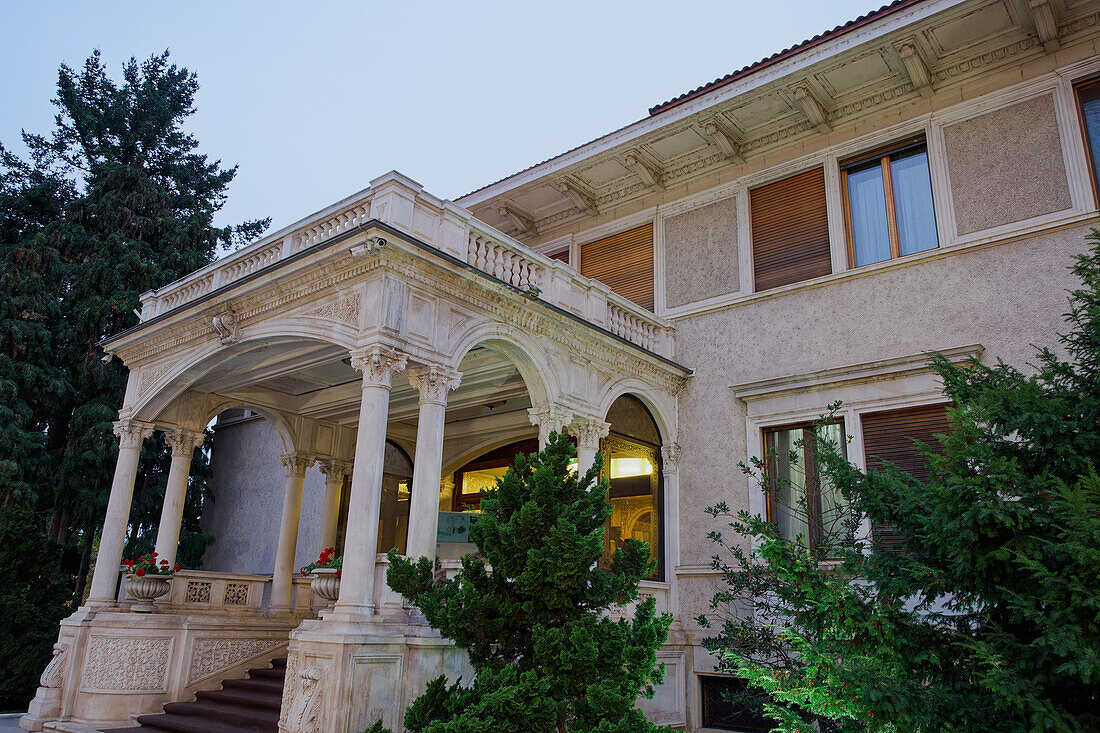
(1007, 166)
(248, 483)
(1004, 297)
(701, 253)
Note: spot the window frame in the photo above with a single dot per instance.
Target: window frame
(658, 496)
(473, 502)
(883, 154)
(811, 470)
(1079, 105)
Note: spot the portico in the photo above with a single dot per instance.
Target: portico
(392, 323)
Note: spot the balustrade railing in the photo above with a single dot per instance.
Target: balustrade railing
(486, 249)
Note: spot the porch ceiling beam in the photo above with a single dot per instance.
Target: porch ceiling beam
(296, 360)
(575, 193)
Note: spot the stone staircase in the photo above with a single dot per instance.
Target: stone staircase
(242, 706)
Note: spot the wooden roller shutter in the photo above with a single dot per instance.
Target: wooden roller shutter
(888, 436)
(790, 230)
(562, 256)
(624, 263)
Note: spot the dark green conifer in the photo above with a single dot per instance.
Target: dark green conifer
(536, 612)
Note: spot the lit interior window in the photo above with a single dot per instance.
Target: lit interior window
(630, 467)
(481, 480)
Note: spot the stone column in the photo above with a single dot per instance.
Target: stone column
(183, 444)
(434, 383)
(334, 471)
(550, 418)
(130, 434)
(588, 431)
(378, 365)
(296, 465)
(670, 475)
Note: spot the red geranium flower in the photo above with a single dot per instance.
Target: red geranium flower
(140, 572)
(176, 569)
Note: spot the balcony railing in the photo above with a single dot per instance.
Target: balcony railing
(446, 227)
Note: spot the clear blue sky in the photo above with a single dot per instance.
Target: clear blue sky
(313, 99)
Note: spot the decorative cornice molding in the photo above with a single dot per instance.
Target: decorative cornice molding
(434, 382)
(345, 310)
(378, 364)
(131, 433)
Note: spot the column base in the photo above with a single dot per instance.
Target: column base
(345, 673)
(44, 708)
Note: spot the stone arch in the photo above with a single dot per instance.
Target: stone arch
(461, 459)
(663, 415)
(283, 427)
(183, 375)
(532, 362)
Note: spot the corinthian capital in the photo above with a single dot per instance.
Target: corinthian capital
(378, 364)
(588, 431)
(334, 470)
(549, 418)
(670, 456)
(131, 433)
(434, 382)
(296, 464)
(183, 442)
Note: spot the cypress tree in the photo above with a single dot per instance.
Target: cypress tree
(536, 613)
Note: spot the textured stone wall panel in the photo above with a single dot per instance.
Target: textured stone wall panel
(1007, 166)
(701, 253)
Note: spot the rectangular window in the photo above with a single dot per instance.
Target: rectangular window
(1088, 97)
(888, 437)
(790, 230)
(562, 256)
(801, 501)
(888, 205)
(624, 263)
(729, 704)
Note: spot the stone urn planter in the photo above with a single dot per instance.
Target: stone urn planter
(147, 589)
(326, 584)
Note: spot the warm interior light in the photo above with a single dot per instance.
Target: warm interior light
(627, 467)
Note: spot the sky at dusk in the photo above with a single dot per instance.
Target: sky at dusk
(314, 99)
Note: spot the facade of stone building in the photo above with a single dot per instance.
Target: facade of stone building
(678, 295)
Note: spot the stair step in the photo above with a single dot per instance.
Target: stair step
(236, 713)
(250, 705)
(278, 673)
(248, 698)
(260, 684)
(186, 724)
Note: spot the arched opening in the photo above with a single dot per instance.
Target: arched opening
(393, 518)
(481, 474)
(632, 465)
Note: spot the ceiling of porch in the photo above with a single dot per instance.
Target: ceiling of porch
(317, 381)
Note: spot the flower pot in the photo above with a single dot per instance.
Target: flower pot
(326, 584)
(146, 589)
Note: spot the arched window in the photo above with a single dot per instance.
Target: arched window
(631, 463)
(393, 520)
(482, 472)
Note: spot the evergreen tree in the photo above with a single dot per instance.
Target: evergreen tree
(114, 202)
(532, 611)
(990, 618)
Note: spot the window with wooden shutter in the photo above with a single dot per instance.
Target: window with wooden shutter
(888, 437)
(624, 263)
(790, 230)
(562, 256)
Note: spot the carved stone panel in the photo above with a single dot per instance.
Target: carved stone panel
(380, 677)
(211, 656)
(236, 594)
(197, 592)
(126, 664)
